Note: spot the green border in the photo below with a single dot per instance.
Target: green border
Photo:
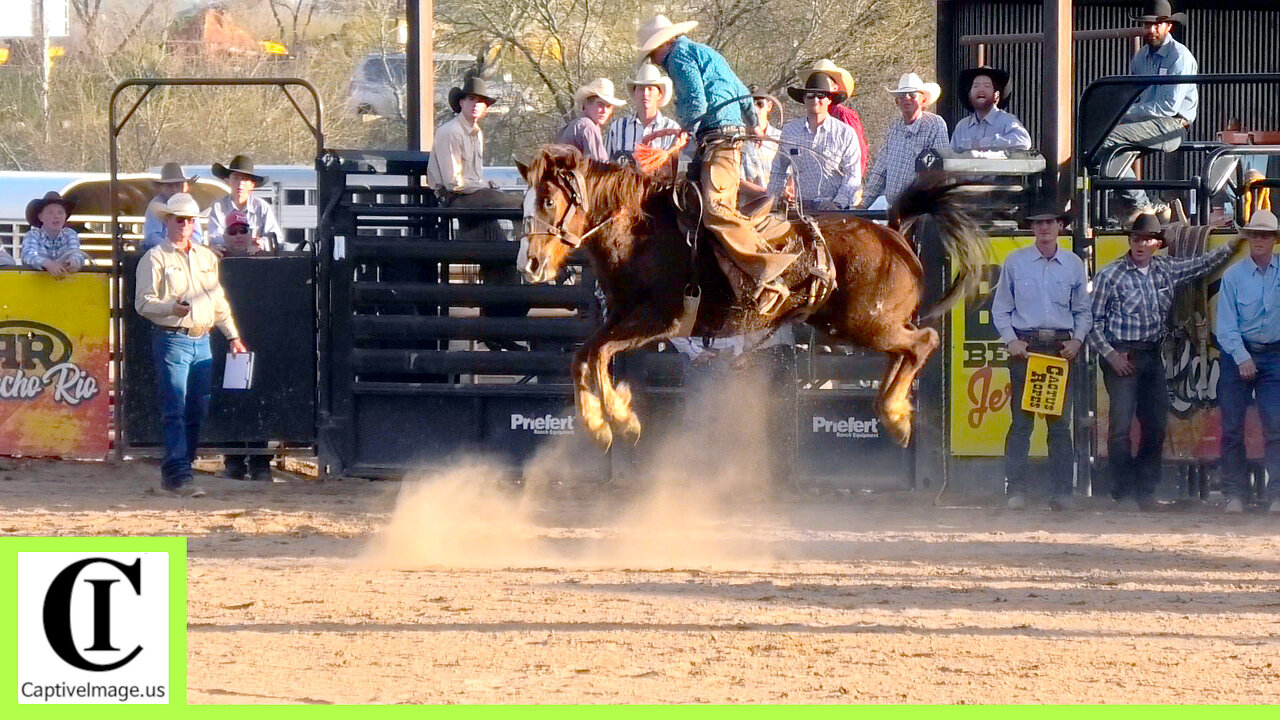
(176, 547)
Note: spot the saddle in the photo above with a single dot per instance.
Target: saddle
(801, 236)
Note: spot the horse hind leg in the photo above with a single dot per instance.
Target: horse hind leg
(912, 346)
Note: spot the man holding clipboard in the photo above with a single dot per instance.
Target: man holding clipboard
(179, 290)
(1041, 306)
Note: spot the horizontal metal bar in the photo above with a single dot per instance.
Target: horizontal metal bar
(372, 327)
(1122, 184)
(1035, 38)
(457, 362)
(535, 390)
(372, 247)
(407, 210)
(473, 295)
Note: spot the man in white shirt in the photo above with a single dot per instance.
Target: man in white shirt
(265, 232)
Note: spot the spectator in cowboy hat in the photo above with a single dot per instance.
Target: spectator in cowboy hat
(240, 175)
(985, 92)
(1041, 305)
(1132, 297)
(171, 181)
(1247, 328)
(179, 290)
(650, 90)
(50, 245)
(916, 131)
(822, 155)
(845, 114)
(455, 171)
(595, 101)
(1160, 116)
(761, 148)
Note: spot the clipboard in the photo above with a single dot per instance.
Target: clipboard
(238, 374)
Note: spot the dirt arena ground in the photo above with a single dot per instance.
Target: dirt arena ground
(454, 590)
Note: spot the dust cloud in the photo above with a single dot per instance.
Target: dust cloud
(696, 495)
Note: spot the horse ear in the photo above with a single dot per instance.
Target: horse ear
(579, 182)
(524, 170)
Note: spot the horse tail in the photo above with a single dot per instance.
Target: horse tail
(962, 237)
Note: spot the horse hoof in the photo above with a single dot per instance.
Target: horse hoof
(630, 428)
(899, 431)
(603, 435)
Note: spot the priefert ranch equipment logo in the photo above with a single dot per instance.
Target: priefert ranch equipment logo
(544, 425)
(850, 427)
(93, 628)
(35, 357)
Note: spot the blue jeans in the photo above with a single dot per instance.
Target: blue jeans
(1143, 394)
(184, 369)
(1164, 134)
(1017, 444)
(1234, 395)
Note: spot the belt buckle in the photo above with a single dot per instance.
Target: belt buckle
(197, 332)
(1046, 336)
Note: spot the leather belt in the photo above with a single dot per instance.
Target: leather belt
(1044, 335)
(1136, 346)
(1261, 348)
(189, 332)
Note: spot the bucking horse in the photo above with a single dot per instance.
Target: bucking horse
(648, 264)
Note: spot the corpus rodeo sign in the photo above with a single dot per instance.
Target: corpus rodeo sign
(53, 365)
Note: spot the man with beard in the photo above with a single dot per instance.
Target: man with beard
(1159, 118)
(984, 90)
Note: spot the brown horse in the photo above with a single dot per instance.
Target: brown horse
(626, 223)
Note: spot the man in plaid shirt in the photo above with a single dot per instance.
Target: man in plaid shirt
(1132, 297)
(909, 136)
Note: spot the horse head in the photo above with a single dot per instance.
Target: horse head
(556, 211)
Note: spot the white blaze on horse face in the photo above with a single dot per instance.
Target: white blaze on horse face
(522, 257)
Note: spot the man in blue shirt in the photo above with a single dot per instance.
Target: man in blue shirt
(1248, 331)
(985, 91)
(714, 105)
(1159, 118)
(1041, 305)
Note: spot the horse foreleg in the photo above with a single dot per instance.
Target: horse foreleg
(617, 398)
(585, 398)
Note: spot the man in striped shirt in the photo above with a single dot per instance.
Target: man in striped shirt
(649, 91)
(1132, 297)
(822, 154)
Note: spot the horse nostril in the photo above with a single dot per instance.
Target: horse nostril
(533, 264)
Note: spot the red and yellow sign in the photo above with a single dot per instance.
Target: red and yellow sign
(54, 357)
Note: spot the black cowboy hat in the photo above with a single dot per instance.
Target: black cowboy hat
(1046, 210)
(242, 164)
(758, 93)
(35, 207)
(999, 78)
(819, 82)
(1147, 225)
(471, 86)
(1161, 11)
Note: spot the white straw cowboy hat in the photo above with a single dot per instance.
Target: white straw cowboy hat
(657, 30)
(179, 205)
(172, 173)
(912, 83)
(648, 74)
(601, 88)
(1262, 221)
(842, 77)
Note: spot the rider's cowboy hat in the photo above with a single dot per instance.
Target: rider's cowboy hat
(819, 82)
(842, 77)
(1147, 225)
(912, 83)
(35, 207)
(178, 205)
(601, 88)
(471, 86)
(657, 30)
(1262, 221)
(172, 173)
(999, 78)
(1160, 11)
(242, 164)
(648, 74)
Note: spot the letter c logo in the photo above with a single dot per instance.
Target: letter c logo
(57, 613)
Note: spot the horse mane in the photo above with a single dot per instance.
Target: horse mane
(608, 185)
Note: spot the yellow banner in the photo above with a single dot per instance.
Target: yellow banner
(1045, 391)
(54, 355)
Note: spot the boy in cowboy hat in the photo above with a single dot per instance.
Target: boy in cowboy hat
(595, 101)
(1248, 331)
(455, 170)
(916, 131)
(1132, 297)
(179, 290)
(1158, 119)
(845, 114)
(50, 245)
(714, 105)
(240, 175)
(1041, 305)
(985, 92)
(171, 181)
(813, 145)
(649, 91)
